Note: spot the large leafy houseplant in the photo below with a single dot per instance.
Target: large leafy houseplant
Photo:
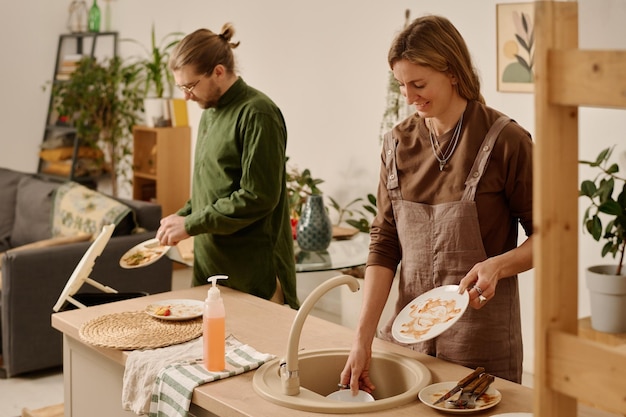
(606, 193)
(154, 72)
(101, 100)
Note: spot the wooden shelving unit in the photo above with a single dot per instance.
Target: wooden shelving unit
(569, 368)
(162, 166)
(61, 148)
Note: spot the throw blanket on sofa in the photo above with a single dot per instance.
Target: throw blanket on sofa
(78, 209)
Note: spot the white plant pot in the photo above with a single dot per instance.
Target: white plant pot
(157, 112)
(608, 298)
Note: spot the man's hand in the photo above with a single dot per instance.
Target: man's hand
(172, 230)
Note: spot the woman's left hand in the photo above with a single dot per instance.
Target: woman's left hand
(481, 282)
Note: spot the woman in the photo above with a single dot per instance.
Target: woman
(456, 178)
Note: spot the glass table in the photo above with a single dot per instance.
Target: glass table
(341, 254)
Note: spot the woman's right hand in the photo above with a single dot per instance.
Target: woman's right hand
(356, 371)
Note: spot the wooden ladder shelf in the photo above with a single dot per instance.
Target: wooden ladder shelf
(568, 368)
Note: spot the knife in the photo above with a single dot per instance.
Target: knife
(462, 383)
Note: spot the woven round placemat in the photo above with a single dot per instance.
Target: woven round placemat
(137, 330)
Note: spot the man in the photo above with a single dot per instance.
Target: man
(238, 211)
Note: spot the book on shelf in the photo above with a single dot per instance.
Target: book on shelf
(67, 66)
(178, 112)
(66, 152)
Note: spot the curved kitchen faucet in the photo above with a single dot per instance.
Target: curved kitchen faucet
(289, 372)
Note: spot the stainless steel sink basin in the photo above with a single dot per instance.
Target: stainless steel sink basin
(398, 380)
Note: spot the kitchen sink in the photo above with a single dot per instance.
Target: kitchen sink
(398, 379)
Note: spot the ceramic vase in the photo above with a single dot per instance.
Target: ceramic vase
(314, 230)
(608, 299)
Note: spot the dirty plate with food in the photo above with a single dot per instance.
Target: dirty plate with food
(175, 309)
(143, 254)
(430, 314)
(428, 395)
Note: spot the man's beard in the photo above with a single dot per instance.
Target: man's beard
(207, 104)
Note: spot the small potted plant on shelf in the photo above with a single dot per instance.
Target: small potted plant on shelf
(155, 77)
(101, 101)
(605, 219)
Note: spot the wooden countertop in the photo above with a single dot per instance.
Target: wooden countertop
(265, 326)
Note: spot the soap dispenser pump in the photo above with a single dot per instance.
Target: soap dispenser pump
(214, 328)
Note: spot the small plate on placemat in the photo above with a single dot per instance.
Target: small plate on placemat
(136, 330)
(175, 309)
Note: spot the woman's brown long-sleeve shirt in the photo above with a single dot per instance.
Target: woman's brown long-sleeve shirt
(503, 197)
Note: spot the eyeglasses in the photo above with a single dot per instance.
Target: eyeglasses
(188, 88)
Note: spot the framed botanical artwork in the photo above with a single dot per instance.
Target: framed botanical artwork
(515, 24)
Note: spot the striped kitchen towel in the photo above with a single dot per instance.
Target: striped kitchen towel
(174, 385)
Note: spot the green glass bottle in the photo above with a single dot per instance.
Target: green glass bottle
(93, 22)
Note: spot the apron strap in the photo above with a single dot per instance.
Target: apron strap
(482, 159)
(390, 145)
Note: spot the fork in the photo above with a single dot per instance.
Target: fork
(466, 393)
(480, 390)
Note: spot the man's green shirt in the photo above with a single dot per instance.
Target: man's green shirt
(239, 211)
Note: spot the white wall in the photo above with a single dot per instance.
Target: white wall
(323, 62)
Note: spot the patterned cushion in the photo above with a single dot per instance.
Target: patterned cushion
(78, 209)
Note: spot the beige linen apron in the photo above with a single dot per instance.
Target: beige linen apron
(440, 244)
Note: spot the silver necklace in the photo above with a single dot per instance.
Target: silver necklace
(437, 151)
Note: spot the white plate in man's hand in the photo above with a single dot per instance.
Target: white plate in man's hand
(143, 254)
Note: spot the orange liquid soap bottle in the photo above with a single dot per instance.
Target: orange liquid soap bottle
(214, 328)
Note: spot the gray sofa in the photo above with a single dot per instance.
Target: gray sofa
(33, 278)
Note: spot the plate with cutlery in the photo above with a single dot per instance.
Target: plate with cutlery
(471, 394)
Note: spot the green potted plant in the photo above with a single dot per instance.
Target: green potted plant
(310, 223)
(355, 217)
(155, 77)
(605, 220)
(102, 102)
(300, 184)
